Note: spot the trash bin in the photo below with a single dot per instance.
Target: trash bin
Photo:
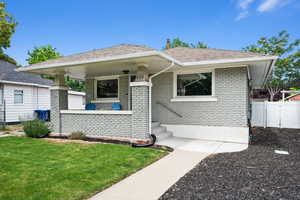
(43, 115)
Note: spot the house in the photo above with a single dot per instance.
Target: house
(184, 92)
(293, 97)
(22, 93)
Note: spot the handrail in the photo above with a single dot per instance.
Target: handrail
(168, 108)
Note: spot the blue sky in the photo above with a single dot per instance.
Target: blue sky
(74, 26)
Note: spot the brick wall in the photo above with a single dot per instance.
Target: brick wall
(107, 125)
(140, 109)
(229, 110)
(59, 101)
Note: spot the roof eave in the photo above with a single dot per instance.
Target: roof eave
(23, 83)
(108, 59)
(233, 60)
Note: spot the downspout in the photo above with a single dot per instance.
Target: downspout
(153, 137)
(150, 93)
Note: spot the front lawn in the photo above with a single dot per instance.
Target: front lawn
(38, 169)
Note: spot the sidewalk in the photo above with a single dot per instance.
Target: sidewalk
(153, 181)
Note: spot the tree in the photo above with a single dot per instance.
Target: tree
(41, 54)
(7, 28)
(287, 66)
(44, 53)
(176, 42)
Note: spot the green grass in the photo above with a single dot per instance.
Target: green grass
(37, 169)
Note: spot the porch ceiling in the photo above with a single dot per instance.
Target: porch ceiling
(89, 70)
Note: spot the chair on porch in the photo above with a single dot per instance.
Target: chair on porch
(90, 106)
(116, 106)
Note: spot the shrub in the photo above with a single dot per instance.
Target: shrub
(36, 128)
(3, 127)
(77, 135)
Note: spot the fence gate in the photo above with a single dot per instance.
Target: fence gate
(276, 114)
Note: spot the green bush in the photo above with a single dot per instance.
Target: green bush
(36, 128)
(3, 127)
(77, 135)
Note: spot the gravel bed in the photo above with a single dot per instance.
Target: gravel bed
(256, 173)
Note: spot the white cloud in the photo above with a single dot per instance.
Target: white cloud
(243, 6)
(242, 15)
(267, 5)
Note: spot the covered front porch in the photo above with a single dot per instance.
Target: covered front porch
(120, 95)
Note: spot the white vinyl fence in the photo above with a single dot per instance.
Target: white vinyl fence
(276, 114)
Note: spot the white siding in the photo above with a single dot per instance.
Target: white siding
(43, 98)
(34, 98)
(76, 101)
(16, 111)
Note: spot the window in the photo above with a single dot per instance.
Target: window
(194, 84)
(18, 96)
(107, 89)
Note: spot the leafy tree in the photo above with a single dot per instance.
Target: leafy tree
(287, 66)
(41, 54)
(176, 42)
(7, 28)
(44, 53)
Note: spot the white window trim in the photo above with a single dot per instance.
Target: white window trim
(106, 100)
(22, 97)
(193, 98)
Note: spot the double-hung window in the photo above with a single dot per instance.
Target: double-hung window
(18, 97)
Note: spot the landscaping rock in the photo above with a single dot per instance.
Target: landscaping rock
(256, 173)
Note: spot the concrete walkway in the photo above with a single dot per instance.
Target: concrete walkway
(151, 182)
(203, 146)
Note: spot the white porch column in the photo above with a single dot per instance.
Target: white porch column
(59, 101)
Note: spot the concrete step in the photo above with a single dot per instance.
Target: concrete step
(159, 129)
(155, 124)
(163, 135)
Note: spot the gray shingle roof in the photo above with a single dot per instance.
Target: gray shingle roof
(182, 54)
(186, 54)
(8, 73)
(122, 49)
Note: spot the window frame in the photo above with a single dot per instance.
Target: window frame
(18, 94)
(198, 97)
(106, 100)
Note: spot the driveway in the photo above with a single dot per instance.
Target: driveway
(256, 173)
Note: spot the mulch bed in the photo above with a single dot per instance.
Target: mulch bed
(91, 140)
(256, 173)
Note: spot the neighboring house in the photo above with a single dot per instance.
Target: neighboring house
(187, 92)
(22, 93)
(293, 97)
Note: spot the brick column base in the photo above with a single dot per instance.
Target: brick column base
(140, 110)
(59, 101)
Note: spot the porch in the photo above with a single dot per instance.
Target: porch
(129, 88)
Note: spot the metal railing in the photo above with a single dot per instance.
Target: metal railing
(169, 109)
